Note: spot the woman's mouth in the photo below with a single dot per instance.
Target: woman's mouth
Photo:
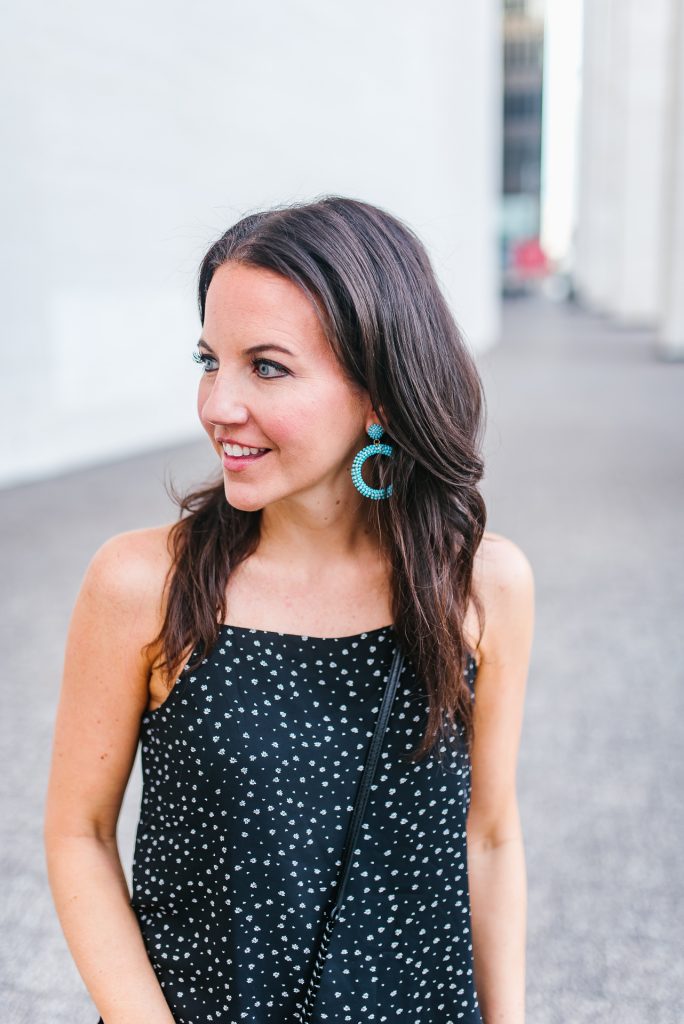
(241, 461)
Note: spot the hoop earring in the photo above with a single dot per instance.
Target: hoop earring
(375, 431)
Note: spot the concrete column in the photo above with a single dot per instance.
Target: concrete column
(624, 113)
(560, 113)
(593, 235)
(671, 335)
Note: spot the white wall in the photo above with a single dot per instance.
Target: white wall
(137, 132)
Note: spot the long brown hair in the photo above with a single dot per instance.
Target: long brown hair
(383, 313)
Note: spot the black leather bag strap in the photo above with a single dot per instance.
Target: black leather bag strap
(363, 792)
(304, 1013)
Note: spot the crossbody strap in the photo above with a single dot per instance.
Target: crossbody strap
(304, 1013)
(367, 779)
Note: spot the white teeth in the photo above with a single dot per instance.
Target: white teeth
(238, 449)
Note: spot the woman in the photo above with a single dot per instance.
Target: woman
(248, 646)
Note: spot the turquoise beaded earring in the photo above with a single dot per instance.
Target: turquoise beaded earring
(375, 431)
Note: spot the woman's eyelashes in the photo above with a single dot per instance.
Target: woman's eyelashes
(204, 360)
(200, 358)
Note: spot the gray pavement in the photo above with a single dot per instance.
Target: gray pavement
(585, 471)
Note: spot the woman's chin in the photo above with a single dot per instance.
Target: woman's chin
(243, 504)
(247, 499)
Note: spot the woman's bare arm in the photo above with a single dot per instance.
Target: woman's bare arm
(496, 858)
(103, 695)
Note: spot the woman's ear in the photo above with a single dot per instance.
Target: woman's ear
(375, 418)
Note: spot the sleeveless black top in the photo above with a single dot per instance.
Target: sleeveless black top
(250, 769)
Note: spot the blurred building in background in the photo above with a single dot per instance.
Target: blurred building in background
(522, 257)
(629, 246)
(593, 163)
(136, 133)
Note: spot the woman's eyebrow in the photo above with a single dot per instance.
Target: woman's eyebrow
(252, 350)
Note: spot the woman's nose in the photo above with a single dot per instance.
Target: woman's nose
(224, 402)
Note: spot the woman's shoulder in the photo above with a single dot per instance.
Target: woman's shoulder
(503, 580)
(135, 559)
(499, 558)
(148, 544)
(128, 572)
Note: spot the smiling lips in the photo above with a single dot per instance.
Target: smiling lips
(236, 458)
(238, 450)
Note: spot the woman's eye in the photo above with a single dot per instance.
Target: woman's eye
(202, 359)
(269, 362)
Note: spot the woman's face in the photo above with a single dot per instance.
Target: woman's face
(296, 403)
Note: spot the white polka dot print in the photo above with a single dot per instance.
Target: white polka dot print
(250, 769)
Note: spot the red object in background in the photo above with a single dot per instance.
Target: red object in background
(529, 259)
